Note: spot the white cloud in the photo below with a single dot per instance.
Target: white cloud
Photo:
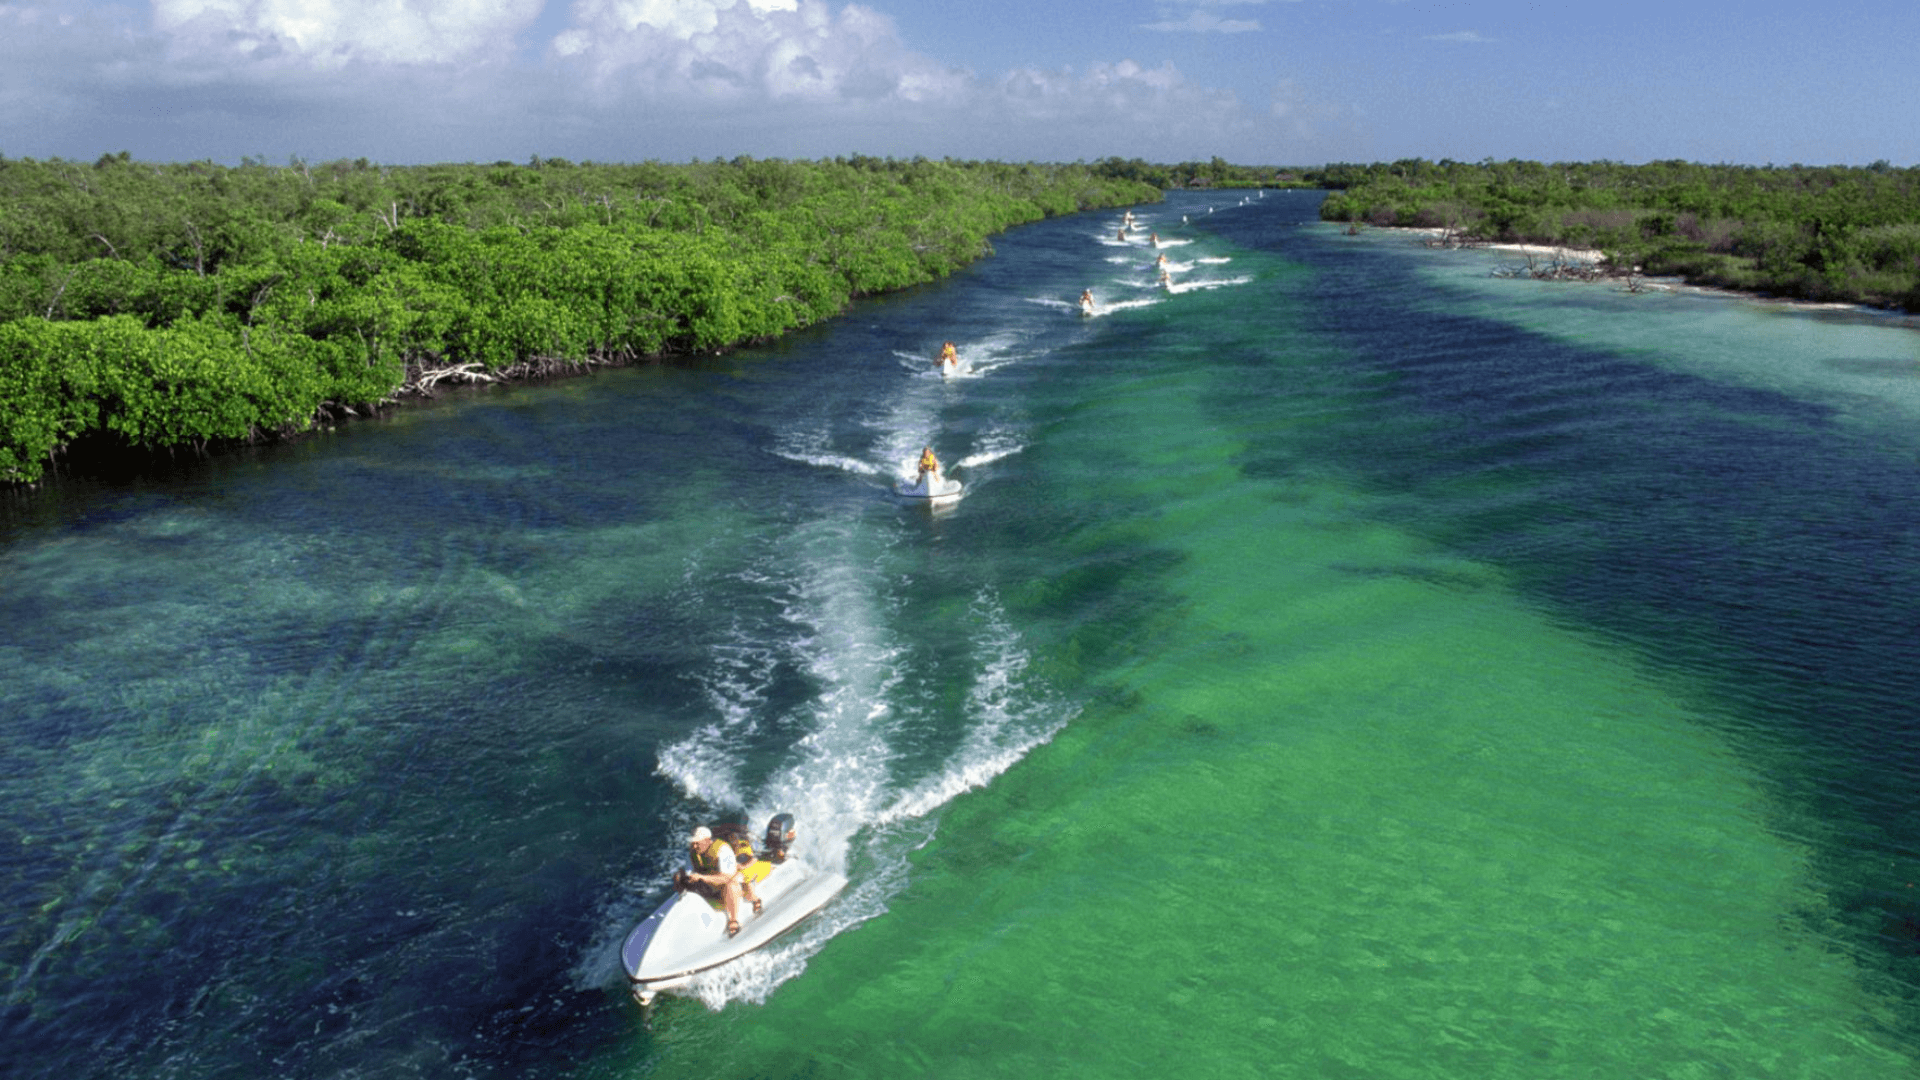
(1122, 108)
(1203, 22)
(1466, 37)
(743, 50)
(436, 80)
(1200, 19)
(332, 33)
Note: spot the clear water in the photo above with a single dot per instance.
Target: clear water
(1344, 665)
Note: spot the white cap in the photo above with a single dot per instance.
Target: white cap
(699, 834)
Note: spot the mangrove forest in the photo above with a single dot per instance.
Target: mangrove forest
(1829, 233)
(163, 306)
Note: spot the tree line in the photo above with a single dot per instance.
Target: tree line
(1812, 232)
(1214, 173)
(155, 306)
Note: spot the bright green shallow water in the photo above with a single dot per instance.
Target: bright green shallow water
(1362, 669)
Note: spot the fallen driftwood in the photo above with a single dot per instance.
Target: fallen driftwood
(1559, 266)
(421, 379)
(1450, 237)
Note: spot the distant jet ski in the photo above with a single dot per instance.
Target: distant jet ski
(688, 934)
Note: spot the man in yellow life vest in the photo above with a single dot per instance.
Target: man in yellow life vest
(713, 870)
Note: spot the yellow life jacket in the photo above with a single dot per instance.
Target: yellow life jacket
(708, 861)
(734, 837)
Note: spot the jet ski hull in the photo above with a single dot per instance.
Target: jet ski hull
(932, 487)
(687, 935)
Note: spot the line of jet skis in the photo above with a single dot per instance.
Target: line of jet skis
(732, 898)
(930, 483)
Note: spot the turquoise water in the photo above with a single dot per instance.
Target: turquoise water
(1345, 665)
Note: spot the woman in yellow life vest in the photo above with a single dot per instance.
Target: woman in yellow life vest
(948, 352)
(928, 463)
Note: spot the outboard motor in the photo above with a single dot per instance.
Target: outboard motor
(780, 833)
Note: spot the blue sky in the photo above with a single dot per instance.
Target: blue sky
(1284, 82)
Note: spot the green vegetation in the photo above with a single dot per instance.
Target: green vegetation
(1817, 233)
(1209, 174)
(162, 306)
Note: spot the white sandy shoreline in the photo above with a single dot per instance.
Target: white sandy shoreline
(1596, 258)
(1590, 256)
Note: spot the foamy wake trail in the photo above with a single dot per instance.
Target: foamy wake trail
(1009, 718)
(993, 446)
(1201, 286)
(837, 773)
(811, 449)
(910, 422)
(840, 777)
(706, 764)
(1053, 302)
(999, 350)
(1103, 308)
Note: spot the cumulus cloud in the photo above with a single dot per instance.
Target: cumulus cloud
(426, 80)
(332, 33)
(740, 51)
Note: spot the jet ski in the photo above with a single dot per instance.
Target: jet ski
(687, 934)
(930, 486)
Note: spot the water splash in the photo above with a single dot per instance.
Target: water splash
(859, 806)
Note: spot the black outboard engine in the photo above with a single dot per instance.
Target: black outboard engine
(779, 837)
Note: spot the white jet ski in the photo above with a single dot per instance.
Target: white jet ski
(688, 935)
(949, 367)
(930, 486)
(1086, 307)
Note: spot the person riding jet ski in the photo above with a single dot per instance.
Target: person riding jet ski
(723, 870)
